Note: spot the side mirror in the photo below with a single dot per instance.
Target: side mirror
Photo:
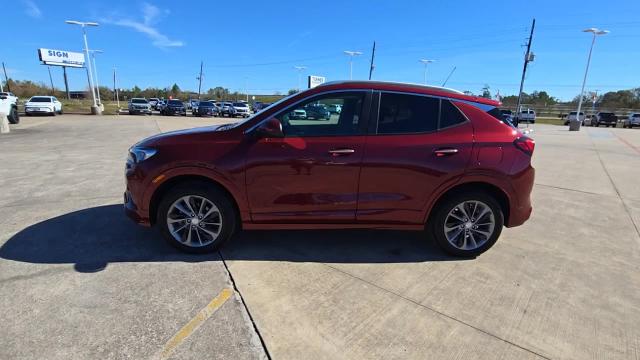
(272, 128)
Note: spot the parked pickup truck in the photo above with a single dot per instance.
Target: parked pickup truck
(527, 116)
(573, 116)
(605, 118)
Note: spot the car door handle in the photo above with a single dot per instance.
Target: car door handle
(341, 152)
(445, 152)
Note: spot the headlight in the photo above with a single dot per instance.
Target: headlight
(140, 154)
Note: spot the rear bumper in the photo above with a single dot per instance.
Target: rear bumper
(520, 210)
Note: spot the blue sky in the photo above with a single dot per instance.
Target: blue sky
(255, 44)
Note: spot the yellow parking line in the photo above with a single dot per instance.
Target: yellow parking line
(195, 323)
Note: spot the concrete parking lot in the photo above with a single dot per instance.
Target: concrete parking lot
(79, 280)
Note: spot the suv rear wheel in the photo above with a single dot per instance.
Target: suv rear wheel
(196, 218)
(467, 224)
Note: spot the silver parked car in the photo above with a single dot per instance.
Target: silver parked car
(632, 120)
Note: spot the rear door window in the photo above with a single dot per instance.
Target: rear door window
(450, 115)
(415, 114)
(406, 114)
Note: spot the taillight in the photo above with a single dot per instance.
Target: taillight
(525, 144)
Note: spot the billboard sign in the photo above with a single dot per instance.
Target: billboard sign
(61, 57)
(316, 80)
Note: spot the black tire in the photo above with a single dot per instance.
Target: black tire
(439, 215)
(229, 222)
(60, 112)
(130, 112)
(13, 117)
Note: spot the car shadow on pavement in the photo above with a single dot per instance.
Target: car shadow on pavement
(94, 237)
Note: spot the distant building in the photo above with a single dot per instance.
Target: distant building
(80, 95)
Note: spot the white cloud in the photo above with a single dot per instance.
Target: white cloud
(151, 15)
(32, 9)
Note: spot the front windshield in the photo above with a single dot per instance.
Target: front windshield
(139, 101)
(206, 103)
(175, 102)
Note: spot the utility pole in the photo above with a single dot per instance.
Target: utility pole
(200, 81)
(373, 54)
(6, 79)
(447, 79)
(66, 82)
(527, 58)
(51, 80)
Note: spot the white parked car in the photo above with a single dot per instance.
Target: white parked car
(631, 121)
(12, 106)
(43, 105)
(241, 109)
(10, 97)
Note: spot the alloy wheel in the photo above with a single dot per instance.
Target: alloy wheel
(469, 225)
(194, 221)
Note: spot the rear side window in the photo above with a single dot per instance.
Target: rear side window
(450, 115)
(403, 114)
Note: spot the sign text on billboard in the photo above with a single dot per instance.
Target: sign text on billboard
(316, 80)
(61, 57)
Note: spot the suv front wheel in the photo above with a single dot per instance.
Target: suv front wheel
(196, 218)
(467, 224)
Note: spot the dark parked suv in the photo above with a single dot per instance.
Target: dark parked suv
(605, 118)
(174, 107)
(397, 156)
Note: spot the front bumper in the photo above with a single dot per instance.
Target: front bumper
(140, 111)
(132, 211)
(170, 111)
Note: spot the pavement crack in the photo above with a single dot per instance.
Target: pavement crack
(36, 274)
(615, 188)
(244, 304)
(486, 332)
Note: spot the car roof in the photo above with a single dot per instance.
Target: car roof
(405, 87)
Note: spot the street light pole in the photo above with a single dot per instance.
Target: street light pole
(300, 69)
(115, 88)
(351, 54)
(574, 124)
(426, 62)
(95, 73)
(95, 110)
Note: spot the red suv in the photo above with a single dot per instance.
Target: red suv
(395, 156)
